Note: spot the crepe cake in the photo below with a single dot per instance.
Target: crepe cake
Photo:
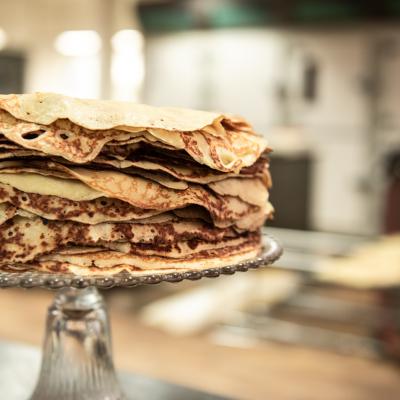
(102, 187)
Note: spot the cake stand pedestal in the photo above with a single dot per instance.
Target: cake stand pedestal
(77, 361)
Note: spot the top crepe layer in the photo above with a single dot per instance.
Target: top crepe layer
(222, 142)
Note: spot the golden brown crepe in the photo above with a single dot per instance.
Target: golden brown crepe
(101, 187)
(78, 129)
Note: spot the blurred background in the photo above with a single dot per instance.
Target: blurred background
(320, 79)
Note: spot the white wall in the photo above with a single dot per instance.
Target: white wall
(239, 67)
(33, 25)
(335, 126)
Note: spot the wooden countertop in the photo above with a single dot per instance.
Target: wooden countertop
(264, 371)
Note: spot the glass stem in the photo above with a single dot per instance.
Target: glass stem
(77, 358)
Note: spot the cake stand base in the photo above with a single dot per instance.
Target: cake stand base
(77, 358)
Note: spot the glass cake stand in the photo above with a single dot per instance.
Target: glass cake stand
(77, 359)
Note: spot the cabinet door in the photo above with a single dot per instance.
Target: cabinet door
(291, 192)
(11, 73)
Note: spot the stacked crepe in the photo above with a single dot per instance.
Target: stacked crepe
(101, 187)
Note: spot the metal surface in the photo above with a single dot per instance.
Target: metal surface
(306, 251)
(19, 368)
(270, 253)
